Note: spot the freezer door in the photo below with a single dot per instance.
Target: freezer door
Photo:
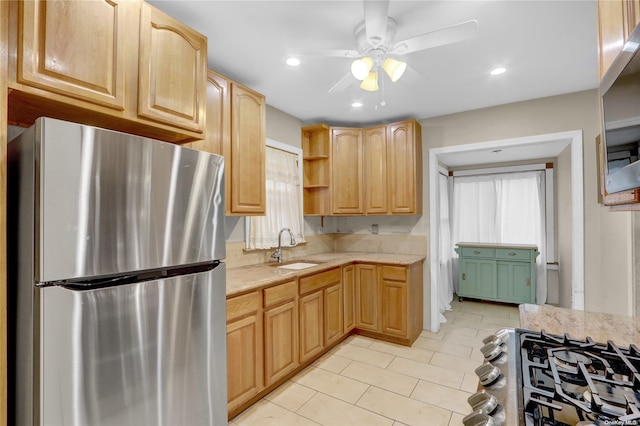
(152, 353)
(109, 203)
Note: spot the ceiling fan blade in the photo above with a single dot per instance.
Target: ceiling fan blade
(376, 14)
(441, 37)
(343, 83)
(338, 53)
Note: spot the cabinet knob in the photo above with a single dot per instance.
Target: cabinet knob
(476, 252)
(511, 253)
(464, 276)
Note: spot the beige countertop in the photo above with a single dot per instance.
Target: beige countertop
(621, 330)
(245, 278)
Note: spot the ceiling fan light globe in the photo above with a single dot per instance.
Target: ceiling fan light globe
(360, 67)
(394, 69)
(370, 83)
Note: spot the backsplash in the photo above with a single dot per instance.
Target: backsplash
(396, 244)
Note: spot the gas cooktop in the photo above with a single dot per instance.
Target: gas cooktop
(535, 378)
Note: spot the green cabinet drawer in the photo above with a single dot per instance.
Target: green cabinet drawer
(478, 252)
(514, 254)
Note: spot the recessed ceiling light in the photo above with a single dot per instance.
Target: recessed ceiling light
(357, 104)
(498, 71)
(293, 62)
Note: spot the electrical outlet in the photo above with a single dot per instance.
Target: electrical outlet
(374, 228)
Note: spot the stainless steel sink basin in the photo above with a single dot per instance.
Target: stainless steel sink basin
(295, 265)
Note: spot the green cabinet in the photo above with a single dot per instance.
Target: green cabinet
(499, 272)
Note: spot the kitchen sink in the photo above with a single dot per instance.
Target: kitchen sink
(295, 265)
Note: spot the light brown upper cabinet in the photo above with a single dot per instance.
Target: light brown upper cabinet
(346, 171)
(372, 171)
(122, 65)
(236, 129)
(375, 170)
(616, 21)
(404, 167)
(218, 123)
(245, 153)
(171, 72)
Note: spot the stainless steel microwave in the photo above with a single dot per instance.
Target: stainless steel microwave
(620, 111)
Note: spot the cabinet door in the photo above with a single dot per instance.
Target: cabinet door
(394, 307)
(75, 49)
(367, 297)
(333, 313)
(311, 325)
(346, 171)
(402, 154)
(280, 341)
(246, 153)
(218, 119)
(244, 359)
(375, 170)
(515, 282)
(477, 279)
(349, 291)
(611, 31)
(172, 71)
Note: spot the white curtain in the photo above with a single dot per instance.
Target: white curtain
(445, 277)
(284, 202)
(502, 208)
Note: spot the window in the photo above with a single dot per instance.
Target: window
(284, 199)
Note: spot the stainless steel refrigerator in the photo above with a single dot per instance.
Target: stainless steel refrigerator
(116, 287)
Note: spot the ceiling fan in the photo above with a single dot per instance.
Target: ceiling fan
(375, 38)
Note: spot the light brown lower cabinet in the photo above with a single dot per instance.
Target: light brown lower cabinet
(244, 348)
(274, 332)
(349, 291)
(280, 331)
(320, 312)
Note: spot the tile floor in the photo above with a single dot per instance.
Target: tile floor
(367, 382)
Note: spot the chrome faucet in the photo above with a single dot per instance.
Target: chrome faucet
(277, 256)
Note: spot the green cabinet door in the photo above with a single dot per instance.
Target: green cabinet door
(477, 279)
(514, 282)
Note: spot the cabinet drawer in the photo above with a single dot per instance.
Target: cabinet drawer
(242, 305)
(513, 254)
(394, 273)
(317, 281)
(280, 293)
(478, 252)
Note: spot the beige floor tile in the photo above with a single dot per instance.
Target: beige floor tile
(463, 340)
(430, 335)
(467, 366)
(415, 353)
(450, 315)
(362, 341)
(483, 328)
(365, 355)
(265, 413)
(453, 328)
(477, 356)
(406, 410)
(502, 322)
(431, 373)
(338, 386)
(444, 347)
(290, 395)
(329, 411)
(441, 396)
(470, 383)
(385, 379)
(398, 424)
(332, 362)
(456, 419)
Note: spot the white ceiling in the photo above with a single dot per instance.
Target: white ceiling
(548, 48)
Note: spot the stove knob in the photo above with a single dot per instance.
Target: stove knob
(492, 339)
(487, 374)
(491, 351)
(478, 418)
(483, 401)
